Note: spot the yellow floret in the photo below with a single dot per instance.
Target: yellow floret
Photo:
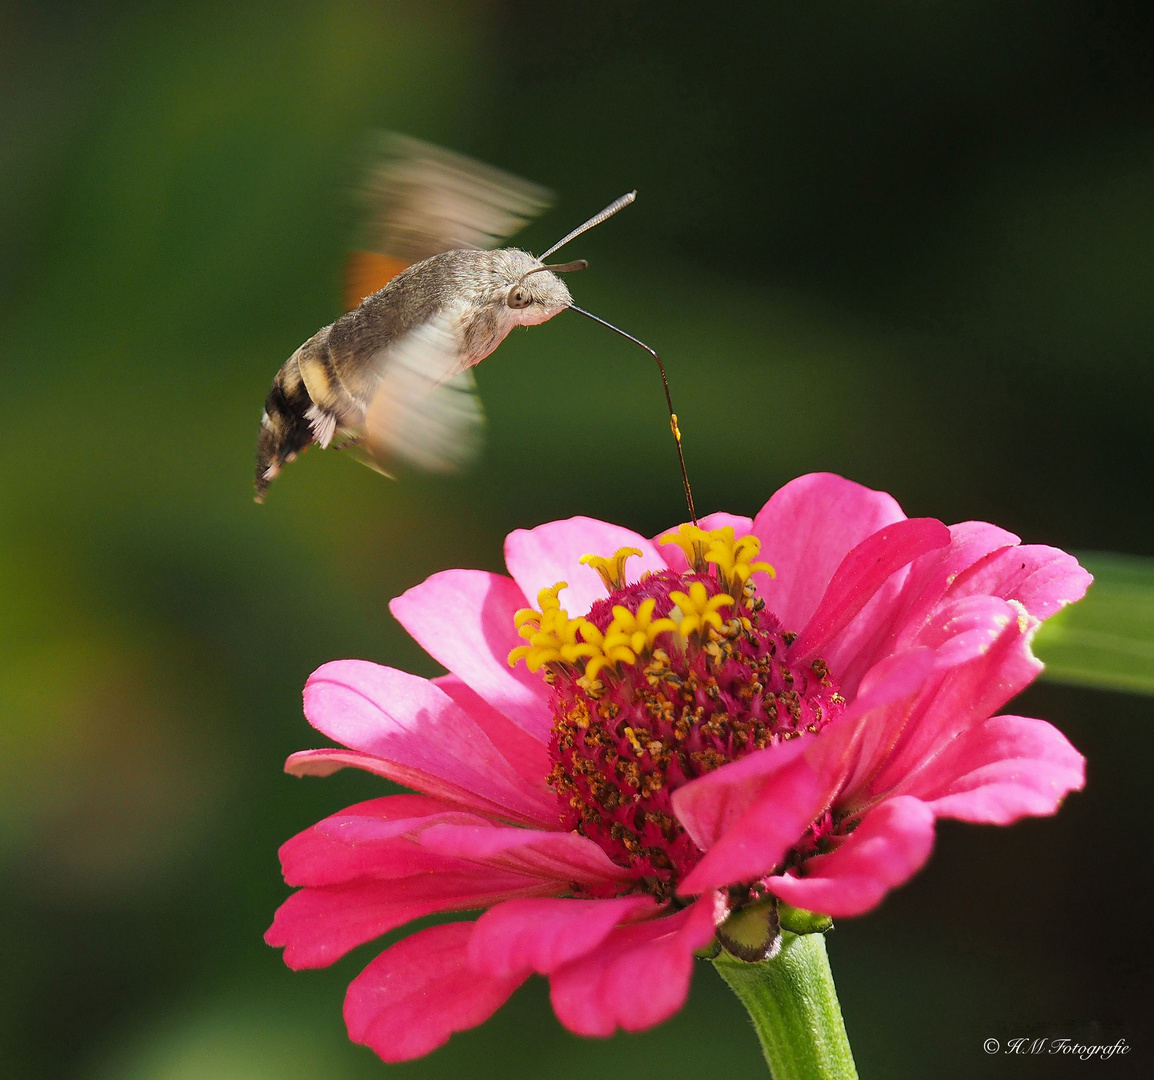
(625, 638)
(554, 638)
(699, 609)
(612, 570)
(693, 540)
(551, 634)
(732, 556)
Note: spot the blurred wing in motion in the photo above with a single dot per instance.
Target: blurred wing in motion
(420, 200)
(425, 413)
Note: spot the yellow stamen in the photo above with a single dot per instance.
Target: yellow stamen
(551, 634)
(694, 541)
(699, 609)
(612, 570)
(732, 556)
(554, 637)
(625, 638)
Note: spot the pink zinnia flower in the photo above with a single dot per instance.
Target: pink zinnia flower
(704, 736)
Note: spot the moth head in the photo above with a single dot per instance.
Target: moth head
(538, 293)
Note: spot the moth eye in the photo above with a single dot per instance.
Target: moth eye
(518, 297)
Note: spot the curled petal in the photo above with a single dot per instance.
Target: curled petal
(890, 845)
(712, 805)
(370, 839)
(930, 584)
(1042, 579)
(855, 746)
(981, 560)
(366, 873)
(413, 996)
(776, 818)
(955, 698)
(966, 629)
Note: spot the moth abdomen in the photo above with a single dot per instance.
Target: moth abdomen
(287, 425)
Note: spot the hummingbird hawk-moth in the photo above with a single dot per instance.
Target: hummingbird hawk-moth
(428, 299)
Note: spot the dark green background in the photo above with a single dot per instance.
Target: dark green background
(909, 242)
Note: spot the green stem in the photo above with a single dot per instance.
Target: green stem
(793, 1004)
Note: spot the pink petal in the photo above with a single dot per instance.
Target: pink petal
(428, 741)
(528, 756)
(464, 620)
(861, 573)
(413, 996)
(806, 529)
(711, 805)
(790, 799)
(367, 872)
(1042, 579)
(932, 578)
(760, 838)
(539, 558)
(638, 977)
(540, 935)
(318, 925)
(1005, 769)
(370, 839)
(675, 558)
(892, 620)
(558, 856)
(327, 761)
(955, 699)
(966, 629)
(851, 749)
(890, 845)
(960, 631)
(361, 841)
(981, 559)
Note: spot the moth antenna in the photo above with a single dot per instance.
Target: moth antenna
(596, 219)
(664, 381)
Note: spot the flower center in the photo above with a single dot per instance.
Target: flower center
(665, 680)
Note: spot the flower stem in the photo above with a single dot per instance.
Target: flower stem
(793, 1004)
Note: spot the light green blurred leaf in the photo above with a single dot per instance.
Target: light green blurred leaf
(1107, 639)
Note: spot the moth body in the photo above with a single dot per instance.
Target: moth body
(384, 374)
(429, 293)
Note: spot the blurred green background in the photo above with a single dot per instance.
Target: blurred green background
(910, 242)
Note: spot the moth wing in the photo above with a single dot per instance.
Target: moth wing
(367, 272)
(425, 412)
(419, 200)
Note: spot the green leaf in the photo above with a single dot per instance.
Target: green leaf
(1107, 639)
